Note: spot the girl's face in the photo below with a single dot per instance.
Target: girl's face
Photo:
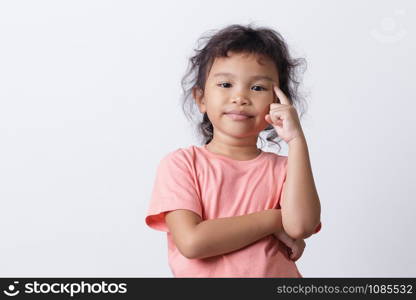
(247, 87)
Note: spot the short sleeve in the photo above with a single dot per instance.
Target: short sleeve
(174, 188)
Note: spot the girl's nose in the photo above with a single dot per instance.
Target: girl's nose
(240, 100)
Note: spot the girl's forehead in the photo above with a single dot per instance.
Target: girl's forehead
(239, 57)
(256, 63)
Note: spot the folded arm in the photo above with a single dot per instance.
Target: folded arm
(200, 239)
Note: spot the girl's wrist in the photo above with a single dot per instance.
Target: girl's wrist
(285, 238)
(275, 220)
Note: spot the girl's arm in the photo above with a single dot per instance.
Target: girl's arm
(200, 239)
(300, 202)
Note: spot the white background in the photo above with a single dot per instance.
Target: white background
(89, 104)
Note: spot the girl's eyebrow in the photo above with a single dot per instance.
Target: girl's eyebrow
(256, 77)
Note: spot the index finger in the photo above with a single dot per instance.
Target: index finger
(282, 97)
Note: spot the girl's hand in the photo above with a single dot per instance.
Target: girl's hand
(296, 251)
(295, 247)
(284, 118)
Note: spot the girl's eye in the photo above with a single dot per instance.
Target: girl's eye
(220, 84)
(261, 88)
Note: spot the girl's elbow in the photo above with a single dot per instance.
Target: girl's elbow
(293, 229)
(299, 232)
(189, 249)
(296, 233)
(304, 232)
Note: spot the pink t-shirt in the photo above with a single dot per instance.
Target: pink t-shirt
(215, 186)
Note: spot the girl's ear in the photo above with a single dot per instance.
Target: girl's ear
(198, 95)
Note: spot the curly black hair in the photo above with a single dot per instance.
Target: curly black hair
(240, 39)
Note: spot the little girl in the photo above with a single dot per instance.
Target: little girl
(229, 208)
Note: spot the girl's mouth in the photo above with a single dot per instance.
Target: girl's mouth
(238, 117)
